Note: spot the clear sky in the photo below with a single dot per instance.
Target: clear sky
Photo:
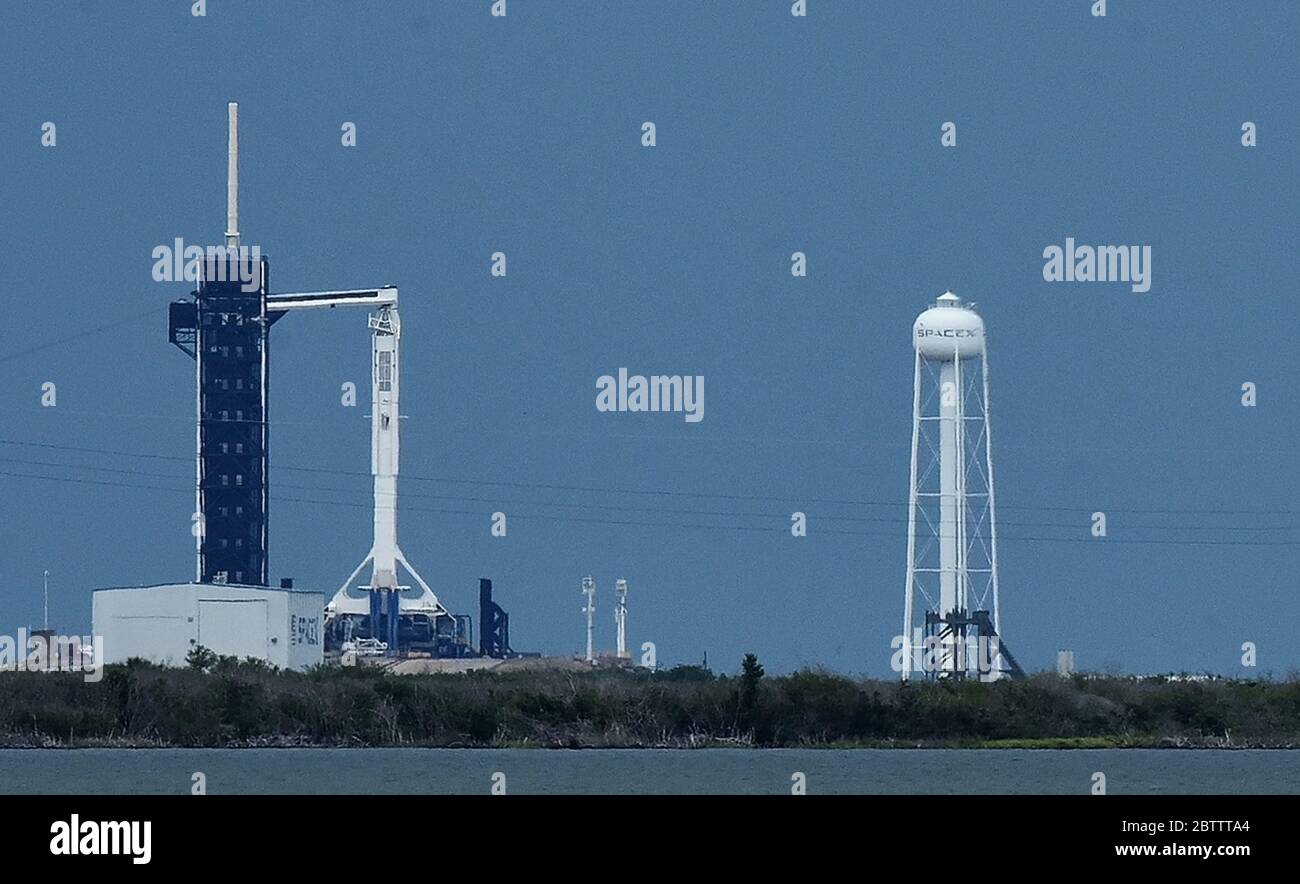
(775, 134)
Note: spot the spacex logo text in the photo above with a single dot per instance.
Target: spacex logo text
(656, 393)
(947, 333)
(77, 837)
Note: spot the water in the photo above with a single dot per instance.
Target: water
(647, 771)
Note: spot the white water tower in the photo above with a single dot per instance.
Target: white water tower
(952, 563)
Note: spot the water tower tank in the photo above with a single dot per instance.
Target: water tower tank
(948, 330)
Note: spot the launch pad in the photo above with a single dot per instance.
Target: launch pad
(225, 328)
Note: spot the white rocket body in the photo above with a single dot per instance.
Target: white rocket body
(385, 445)
(385, 448)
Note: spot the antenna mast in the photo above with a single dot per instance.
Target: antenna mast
(589, 590)
(232, 177)
(620, 617)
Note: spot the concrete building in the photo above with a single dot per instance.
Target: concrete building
(164, 623)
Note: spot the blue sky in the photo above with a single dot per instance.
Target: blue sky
(775, 134)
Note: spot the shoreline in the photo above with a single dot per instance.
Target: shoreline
(17, 742)
(134, 747)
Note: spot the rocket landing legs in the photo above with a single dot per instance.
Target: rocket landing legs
(414, 625)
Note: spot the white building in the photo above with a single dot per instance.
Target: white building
(164, 623)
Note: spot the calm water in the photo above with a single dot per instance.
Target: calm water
(646, 771)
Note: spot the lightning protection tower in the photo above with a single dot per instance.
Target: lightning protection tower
(589, 590)
(620, 617)
(952, 563)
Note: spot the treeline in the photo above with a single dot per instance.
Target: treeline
(237, 704)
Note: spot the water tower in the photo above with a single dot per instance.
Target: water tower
(952, 562)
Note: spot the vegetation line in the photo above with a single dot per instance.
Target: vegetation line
(229, 703)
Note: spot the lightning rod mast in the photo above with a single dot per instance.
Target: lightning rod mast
(620, 617)
(589, 590)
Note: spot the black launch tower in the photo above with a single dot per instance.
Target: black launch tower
(225, 329)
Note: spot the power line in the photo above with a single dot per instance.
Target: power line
(497, 501)
(674, 493)
(781, 528)
(85, 333)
